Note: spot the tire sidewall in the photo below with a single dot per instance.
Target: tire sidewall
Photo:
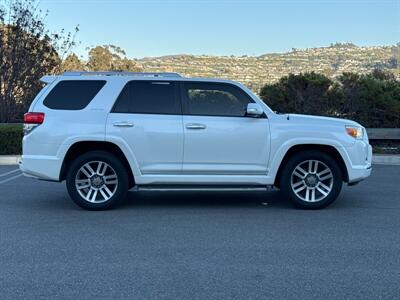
(108, 158)
(312, 155)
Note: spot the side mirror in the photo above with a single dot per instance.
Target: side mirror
(254, 110)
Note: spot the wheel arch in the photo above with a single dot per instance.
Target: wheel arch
(82, 147)
(328, 149)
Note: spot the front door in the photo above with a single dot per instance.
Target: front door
(218, 138)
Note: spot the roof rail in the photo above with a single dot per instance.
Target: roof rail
(120, 73)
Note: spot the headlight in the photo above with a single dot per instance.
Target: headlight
(355, 131)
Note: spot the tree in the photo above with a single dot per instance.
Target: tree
(72, 63)
(27, 52)
(110, 58)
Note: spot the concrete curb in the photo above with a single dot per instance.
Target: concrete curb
(9, 159)
(378, 159)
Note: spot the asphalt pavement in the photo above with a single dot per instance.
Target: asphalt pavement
(203, 245)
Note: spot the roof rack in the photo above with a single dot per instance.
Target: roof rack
(120, 73)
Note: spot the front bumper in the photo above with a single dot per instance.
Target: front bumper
(361, 162)
(360, 174)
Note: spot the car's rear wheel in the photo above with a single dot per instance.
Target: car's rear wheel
(311, 179)
(97, 180)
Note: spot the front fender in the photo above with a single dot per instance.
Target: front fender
(276, 158)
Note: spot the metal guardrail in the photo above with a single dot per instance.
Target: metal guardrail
(383, 133)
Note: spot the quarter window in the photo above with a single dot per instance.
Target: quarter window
(148, 97)
(215, 99)
(73, 94)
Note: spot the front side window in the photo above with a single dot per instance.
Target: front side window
(73, 94)
(148, 97)
(215, 99)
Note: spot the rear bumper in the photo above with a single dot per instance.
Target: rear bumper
(41, 167)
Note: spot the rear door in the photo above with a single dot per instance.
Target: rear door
(148, 117)
(219, 139)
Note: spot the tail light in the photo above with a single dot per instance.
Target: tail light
(32, 120)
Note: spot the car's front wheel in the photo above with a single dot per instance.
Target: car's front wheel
(97, 180)
(311, 179)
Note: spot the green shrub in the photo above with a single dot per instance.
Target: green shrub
(10, 139)
(373, 99)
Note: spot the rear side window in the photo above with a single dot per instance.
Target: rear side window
(148, 97)
(73, 94)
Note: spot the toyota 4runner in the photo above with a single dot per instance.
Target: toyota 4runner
(107, 132)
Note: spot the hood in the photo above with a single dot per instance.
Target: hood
(318, 120)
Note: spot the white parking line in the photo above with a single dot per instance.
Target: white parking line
(8, 173)
(11, 178)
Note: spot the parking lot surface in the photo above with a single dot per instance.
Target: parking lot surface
(199, 245)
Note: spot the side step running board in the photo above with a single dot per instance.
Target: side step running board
(168, 188)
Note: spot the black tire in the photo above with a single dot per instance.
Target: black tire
(120, 187)
(302, 157)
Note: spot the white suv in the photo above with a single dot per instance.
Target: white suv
(107, 132)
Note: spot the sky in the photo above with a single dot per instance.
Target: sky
(221, 27)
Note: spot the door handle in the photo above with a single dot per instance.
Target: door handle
(123, 124)
(195, 126)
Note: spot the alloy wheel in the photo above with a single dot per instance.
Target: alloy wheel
(311, 180)
(96, 181)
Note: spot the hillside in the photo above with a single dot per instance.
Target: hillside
(255, 71)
